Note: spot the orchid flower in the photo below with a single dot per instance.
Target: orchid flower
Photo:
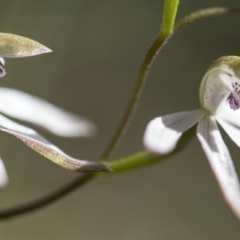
(220, 103)
(28, 108)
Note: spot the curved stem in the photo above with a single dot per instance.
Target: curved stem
(47, 199)
(81, 180)
(169, 15)
(152, 53)
(209, 12)
(143, 159)
(132, 162)
(133, 101)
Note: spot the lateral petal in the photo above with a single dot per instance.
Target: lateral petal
(162, 133)
(38, 143)
(220, 161)
(37, 111)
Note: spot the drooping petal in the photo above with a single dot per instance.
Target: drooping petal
(3, 175)
(220, 162)
(16, 46)
(232, 131)
(28, 108)
(163, 133)
(47, 149)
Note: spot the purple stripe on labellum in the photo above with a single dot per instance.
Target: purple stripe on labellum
(233, 101)
(3, 71)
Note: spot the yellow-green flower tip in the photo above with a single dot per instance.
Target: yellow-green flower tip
(16, 46)
(228, 63)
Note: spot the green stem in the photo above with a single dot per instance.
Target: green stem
(143, 159)
(136, 160)
(168, 28)
(209, 12)
(47, 199)
(132, 162)
(168, 19)
(169, 15)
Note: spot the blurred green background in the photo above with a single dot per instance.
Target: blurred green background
(97, 48)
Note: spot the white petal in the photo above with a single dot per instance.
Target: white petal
(232, 131)
(230, 115)
(162, 133)
(28, 108)
(47, 149)
(220, 162)
(3, 175)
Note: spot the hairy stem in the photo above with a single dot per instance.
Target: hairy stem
(158, 43)
(143, 159)
(47, 199)
(79, 181)
(169, 15)
(132, 162)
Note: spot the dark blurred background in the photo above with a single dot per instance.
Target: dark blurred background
(97, 48)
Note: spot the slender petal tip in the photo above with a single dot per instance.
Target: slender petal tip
(42, 146)
(39, 112)
(16, 46)
(89, 167)
(85, 129)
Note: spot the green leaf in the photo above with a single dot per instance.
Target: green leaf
(16, 46)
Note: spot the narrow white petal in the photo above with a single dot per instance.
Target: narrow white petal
(230, 115)
(220, 162)
(28, 108)
(3, 175)
(163, 133)
(232, 131)
(47, 149)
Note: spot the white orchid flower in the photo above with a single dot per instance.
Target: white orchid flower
(28, 108)
(220, 103)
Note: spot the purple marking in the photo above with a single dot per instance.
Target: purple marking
(233, 101)
(3, 71)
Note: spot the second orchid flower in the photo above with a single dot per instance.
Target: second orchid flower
(220, 103)
(28, 108)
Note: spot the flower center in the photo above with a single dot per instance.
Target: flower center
(234, 98)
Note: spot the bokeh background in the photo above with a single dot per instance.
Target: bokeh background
(97, 48)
